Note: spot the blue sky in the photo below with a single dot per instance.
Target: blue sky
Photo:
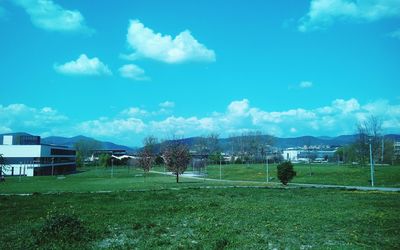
(122, 70)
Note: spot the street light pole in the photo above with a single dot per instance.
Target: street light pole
(112, 167)
(266, 158)
(220, 167)
(52, 166)
(371, 162)
(383, 149)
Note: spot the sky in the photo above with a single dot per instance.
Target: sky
(123, 70)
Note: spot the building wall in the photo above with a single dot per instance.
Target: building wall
(33, 160)
(290, 155)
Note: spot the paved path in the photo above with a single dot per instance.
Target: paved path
(384, 189)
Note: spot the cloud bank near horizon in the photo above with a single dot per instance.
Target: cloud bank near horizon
(130, 125)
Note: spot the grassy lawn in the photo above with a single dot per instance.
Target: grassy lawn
(100, 179)
(235, 218)
(385, 176)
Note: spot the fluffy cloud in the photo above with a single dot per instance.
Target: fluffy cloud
(184, 47)
(323, 13)
(238, 108)
(183, 126)
(305, 84)
(134, 111)
(20, 117)
(108, 128)
(47, 15)
(346, 106)
(83, 66)
(132, 124)
(167, 104)
(133, 72)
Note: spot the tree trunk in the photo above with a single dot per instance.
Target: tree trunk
(177, 177)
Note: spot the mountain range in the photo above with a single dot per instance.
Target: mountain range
(69, 142)
(224, 143)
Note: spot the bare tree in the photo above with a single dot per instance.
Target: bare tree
(251, 145)
(252, 142)
(147, 154)
(213, 143)
(176, 157)
(368, 132)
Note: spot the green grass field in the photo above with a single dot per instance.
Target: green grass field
(99, 179)
(385, 176)
(123, 178)
(236, 218)
(157, 213)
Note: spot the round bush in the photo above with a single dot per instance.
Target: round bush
(285, 172)
(62, 227)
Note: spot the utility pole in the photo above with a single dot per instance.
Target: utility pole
(266, 159)
(112, 167)
(52, 166)
(220, 167)
(344, 159)
(383, 148)
(371, 162)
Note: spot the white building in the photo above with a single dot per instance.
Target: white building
(24, 155)
(290, 154)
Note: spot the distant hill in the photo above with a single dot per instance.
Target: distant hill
(225, 143)
(69, 142)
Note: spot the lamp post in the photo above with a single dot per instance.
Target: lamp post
(52, 166)
(112, 167)
(266, 159)
(220, 167)
(371, 162)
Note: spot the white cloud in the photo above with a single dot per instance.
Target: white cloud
(167, 104)
(239, 108)
(134, 111)
(133, 72)
(346, 106)
(84, 66)
(108, 128)
(50, 16)
(20, 117)
(323, 13)
(184, 47)
(183, 126)
(305, 84)
(131, 124)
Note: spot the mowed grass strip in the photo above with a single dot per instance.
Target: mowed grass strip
(96, 179)
(385, 176)
(212, 219)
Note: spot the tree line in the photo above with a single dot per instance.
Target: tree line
(369, 133)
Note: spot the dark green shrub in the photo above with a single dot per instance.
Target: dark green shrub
(159, 160)
(221, 243)
(285, 172)
(238, 161)
(62, 227)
